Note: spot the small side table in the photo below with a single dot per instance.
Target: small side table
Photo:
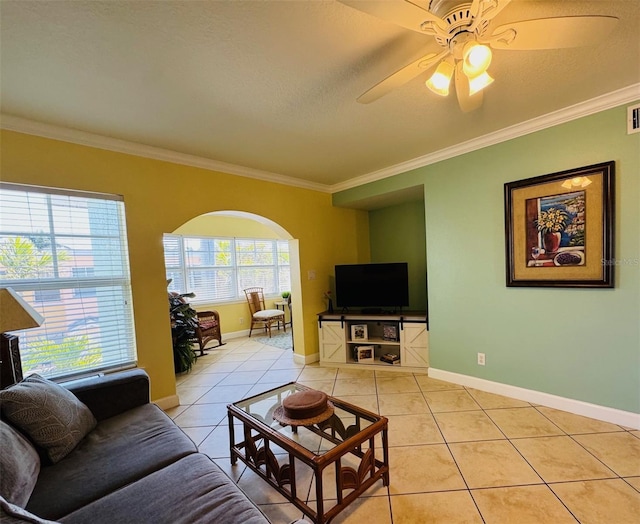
(283, 304)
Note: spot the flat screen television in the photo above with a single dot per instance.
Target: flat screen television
(372, 286)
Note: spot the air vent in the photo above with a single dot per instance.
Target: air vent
(633, 119)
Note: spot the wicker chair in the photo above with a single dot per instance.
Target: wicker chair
(208, 329)
(261, 315)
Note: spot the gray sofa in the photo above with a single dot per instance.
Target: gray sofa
(134, 466)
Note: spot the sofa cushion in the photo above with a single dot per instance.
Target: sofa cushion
(208, 324)
(268, 313)
(111, 394)
(19, 466)
(121, 450)
(49, 414)
(192, 490)
(12, 514)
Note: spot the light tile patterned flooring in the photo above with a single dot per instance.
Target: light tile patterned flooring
(456, 454)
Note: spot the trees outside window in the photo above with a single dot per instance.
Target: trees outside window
(65, 253)
(219, 269)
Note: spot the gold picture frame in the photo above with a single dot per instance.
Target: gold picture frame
(559, 229)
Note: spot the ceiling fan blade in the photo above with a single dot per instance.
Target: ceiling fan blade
(401, 77)
(476, 11)
(474, 8)
(466, 101)
(553, 33)
(495, 7)
(399, 12)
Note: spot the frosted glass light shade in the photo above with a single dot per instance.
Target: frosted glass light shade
(479, 82)
(440, 80)
(476, 59)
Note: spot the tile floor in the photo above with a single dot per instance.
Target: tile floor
(456, 454)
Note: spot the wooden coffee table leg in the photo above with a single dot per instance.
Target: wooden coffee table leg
(232, 440)
(385, 454)
(319, 496)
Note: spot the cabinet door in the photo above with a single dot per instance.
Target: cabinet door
(414, 340)
(332, 342)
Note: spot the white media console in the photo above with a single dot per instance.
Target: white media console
(344, 337)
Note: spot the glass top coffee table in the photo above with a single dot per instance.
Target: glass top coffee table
(351, 449)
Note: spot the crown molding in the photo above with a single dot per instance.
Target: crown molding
(582, 109)
(567, 114)
(74, 136)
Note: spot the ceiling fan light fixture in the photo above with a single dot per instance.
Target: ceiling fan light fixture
(441, 78)
(478, 83)
(476, 58)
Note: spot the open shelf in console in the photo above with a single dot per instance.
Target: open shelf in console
(382, 336)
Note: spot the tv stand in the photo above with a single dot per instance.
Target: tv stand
(361, 339)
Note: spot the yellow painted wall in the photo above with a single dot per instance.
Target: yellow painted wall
(236, 227)
(225, 226)
(231, 313)
(161, 196)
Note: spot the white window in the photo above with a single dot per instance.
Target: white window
(65, 253)
(219, 269)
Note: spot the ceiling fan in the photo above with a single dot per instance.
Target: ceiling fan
(464, 33)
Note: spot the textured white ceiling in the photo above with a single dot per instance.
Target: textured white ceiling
(272, 85)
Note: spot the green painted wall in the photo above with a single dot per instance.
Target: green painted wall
(389, 229)
(577, 343)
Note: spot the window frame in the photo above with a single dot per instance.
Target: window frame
(95, 319)
(186, 271)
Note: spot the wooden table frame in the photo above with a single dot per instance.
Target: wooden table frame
(284, 304)
(254, 449)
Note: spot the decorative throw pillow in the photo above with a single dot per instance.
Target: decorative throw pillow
(49, 414)
(208, 324)
(19, 466)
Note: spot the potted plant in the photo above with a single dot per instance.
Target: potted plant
(183, 330)
(286, 295)
(551, 223)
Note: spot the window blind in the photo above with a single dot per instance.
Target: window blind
(65, 253)
(219, 269)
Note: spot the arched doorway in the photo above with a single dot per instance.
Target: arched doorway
(240, 224)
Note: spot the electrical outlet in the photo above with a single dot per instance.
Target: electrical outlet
(241, 321)
(480, 359)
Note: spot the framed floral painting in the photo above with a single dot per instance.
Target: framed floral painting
(559, 228)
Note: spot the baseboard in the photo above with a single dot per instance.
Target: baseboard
(306, 359)
(165, 403)
(606, 414)
(238, 334)
(235, 334)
